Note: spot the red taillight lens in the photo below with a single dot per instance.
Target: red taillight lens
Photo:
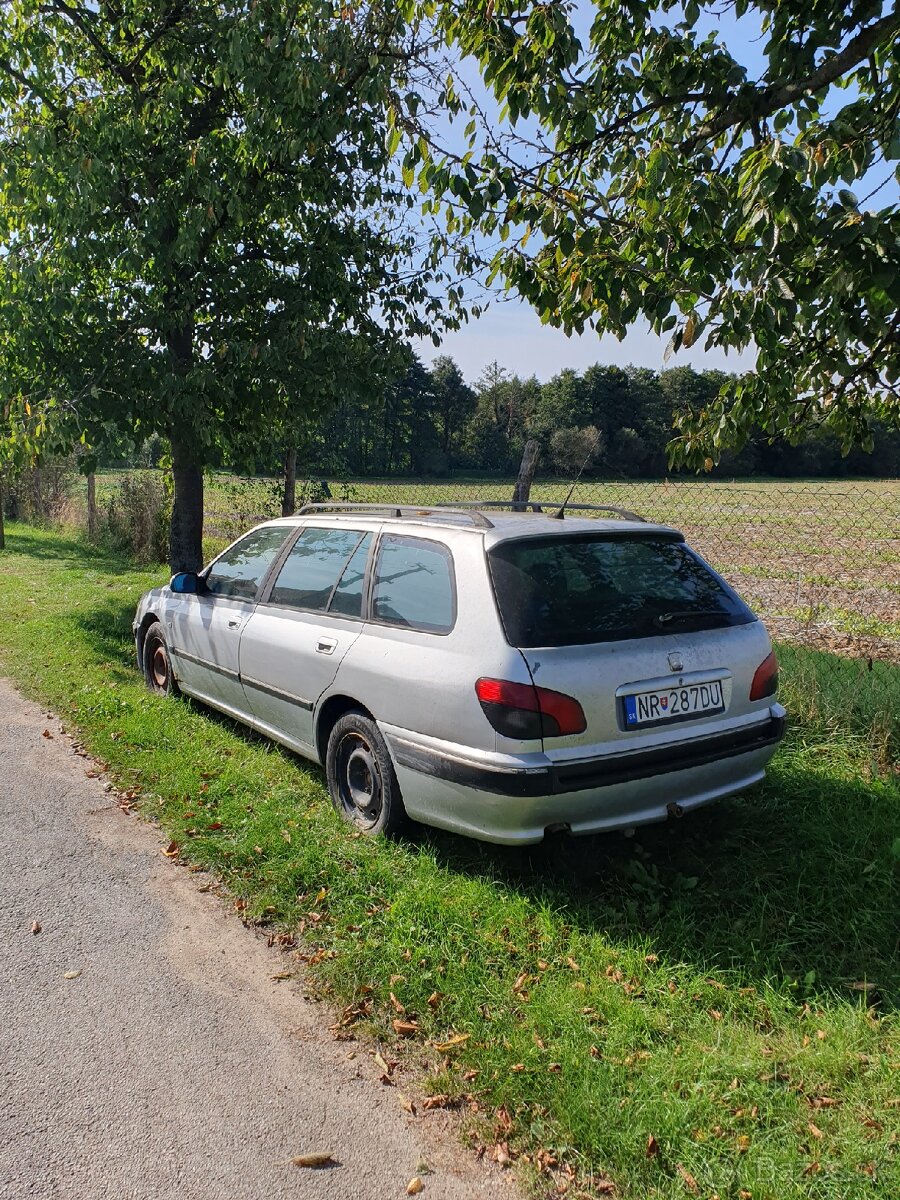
(521, 710)
(765, 681)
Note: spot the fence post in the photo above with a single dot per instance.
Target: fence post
(2, 530)
(527, 468)
(92, 506)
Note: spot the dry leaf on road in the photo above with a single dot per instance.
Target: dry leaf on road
(323, 1158)
(71, 974)
(36, 927)
(405, 1027)
(414, 1186)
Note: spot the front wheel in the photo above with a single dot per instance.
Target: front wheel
(156, 664)
(361, 778)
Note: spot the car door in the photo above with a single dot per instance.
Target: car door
(204, 629)
(293, 643)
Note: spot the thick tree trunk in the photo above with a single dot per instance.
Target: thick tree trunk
(2, 530)
(186, 530)
(92, 506)
(289, 496)
(522, 490)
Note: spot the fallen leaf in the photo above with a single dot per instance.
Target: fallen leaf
(743, 1143)
(555, 1068)
(572, 963)
(814, 1130)
(812, 1169)
(321, 1159)
(381, 1062)
(689, 1181)
(71, 974)
(823, 1102)
(434, 999)
(283, 975)
(213, 826)
(652, 1147)
(171, 851)
(321, 894)
(405, 1027)
(439, 1100)
(468, 1076)
(47, 734)
(715, 1014)
(204, 887)
(422, 1167)
(414, 1186)
(863, 986)
(36, 927)
(502, 1155)
(398, 1007)
(517, 1067)
(406, 1104)
(457, 1040)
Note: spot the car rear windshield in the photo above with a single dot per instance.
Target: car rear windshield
(572, 591)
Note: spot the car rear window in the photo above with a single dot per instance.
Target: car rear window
(572, 591)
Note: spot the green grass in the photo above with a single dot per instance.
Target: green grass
(694, 984)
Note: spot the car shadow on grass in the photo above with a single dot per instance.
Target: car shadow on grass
(794, 882)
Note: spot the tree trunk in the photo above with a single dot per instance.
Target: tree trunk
(186, 530)
(2, 530)
(92, 506)
(289, 497)
(522, 490)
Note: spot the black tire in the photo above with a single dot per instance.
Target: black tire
(156, 664)
(361, 778)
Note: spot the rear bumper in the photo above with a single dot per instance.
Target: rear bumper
(590, 774)
(516, 804)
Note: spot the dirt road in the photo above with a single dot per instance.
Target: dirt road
(171, 1065)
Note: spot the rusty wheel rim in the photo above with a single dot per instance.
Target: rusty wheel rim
(159, 666)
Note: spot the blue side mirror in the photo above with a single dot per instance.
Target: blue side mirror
(186, 583)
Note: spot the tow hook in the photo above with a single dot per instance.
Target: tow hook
(674, 810)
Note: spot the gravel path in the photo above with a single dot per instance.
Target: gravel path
(172, 1065)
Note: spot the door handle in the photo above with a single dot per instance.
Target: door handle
(326, 645)
(234, 624)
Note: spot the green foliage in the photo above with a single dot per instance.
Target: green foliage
(135, 518)
(639, 172)
(199, 219)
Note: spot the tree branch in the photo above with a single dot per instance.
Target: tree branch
(766, 101)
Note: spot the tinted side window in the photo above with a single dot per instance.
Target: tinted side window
(239, 570)
(348, 594)
(314, 566)
(414, 585)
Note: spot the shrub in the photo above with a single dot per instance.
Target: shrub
(571, 448)
(40, 495)
(135, 520)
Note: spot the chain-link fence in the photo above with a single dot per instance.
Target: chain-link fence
(819, 561)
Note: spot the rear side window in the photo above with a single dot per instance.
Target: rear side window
(414, 585)
(238, 572)
(318, 565)
(575, 591)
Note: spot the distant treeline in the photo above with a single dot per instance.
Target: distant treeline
(431, 422)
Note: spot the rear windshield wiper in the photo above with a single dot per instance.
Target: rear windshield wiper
(663, 620)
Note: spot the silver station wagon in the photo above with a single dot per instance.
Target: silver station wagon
(499, 674)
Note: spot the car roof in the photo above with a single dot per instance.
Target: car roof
(494, 526)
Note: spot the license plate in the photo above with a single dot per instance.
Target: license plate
(673, 704)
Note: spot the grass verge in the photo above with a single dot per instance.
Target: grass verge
(705, 1009)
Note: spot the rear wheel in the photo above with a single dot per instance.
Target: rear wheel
(157, 666)
(361, 778)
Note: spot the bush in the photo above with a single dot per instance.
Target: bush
(135, 520)
(572, 449)
(40, 495)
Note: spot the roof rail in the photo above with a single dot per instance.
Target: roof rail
(539, 506)
(401, 510)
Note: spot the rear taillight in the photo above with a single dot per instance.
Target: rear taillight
(521, 710)
(765, 681)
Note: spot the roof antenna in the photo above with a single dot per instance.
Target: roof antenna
(595, 446)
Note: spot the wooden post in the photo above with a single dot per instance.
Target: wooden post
(92, 506)
(289, 498)
(527, 468)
